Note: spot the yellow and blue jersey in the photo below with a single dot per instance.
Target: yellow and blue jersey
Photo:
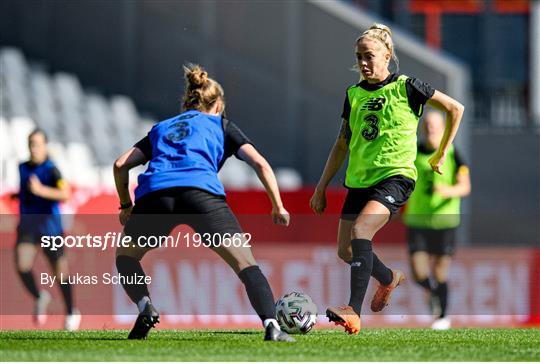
(37, 213)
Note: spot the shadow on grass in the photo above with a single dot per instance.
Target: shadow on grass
(43, 338)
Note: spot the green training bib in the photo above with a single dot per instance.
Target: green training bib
(429, 210)
(383, 142)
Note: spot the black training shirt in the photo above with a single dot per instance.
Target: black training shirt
(418, 93)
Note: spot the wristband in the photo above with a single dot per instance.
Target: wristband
(125, 205)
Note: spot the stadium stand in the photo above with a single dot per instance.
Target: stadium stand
(86, 130)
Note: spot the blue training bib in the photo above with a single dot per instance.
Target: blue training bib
(186, 151)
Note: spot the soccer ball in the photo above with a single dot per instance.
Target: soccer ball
(296, 313)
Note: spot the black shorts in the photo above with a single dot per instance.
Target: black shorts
(393, 192)
(435, 242)
(159, 212)
(33, 236)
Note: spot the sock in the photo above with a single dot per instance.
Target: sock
(128, 266)
(259, 292)
(381, 272)
(68, 297)
(29, 282)
(441, 291)
(141, 305)
(424, 283)
(271, 321)
(361, 267)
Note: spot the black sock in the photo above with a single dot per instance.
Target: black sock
(381, 272)
(441, 291)
(68, 297)
(361, 267)
(424, 283)
(259, 292)
(128, 266)
(29, 282)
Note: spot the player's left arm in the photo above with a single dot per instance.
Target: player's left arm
(60, 192)
(251, 156)
(454, 112)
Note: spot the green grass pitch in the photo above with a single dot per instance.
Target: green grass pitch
(247, 345)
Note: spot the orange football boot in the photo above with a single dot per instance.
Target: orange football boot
(381, 299)
(346, 317)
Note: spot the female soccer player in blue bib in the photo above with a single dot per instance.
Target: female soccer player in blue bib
(181, 186)
(41, 189)
(379, 122)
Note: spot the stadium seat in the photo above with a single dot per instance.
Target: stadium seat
(106, 179)
(236, 174)
(288, 179)
(13, 61)
(44, 104)
(82, 169)
(57, 153)
(125, 117)
(79, 153)
(70, 107)
(21, 127)
(146, 126)
(14, 76)
(6, 147)
(99, 125)
(86, 131)
(10, 175)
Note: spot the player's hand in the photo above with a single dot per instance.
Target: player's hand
(125, 214)
(318, 201)
(34, 185)
(436, 162)
(444, 191)
(280, 216)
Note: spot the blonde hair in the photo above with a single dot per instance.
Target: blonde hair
(383, 34)
(201, 92)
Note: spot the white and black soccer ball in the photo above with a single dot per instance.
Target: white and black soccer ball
(296, 313)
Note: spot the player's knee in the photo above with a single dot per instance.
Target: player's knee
(23, 265)
(420, 278)
(60, 266)
(363, 230)
(419, 275)
(440, 277)
(345, 255)
(241, 264)
(22, 269)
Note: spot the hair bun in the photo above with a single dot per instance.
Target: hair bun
(195, 75)
(382, 27)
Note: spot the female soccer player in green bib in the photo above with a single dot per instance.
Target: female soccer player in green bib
(379, 122)
(432, 216)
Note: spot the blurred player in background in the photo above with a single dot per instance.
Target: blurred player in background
(181, 186)
(432, 216)
(379, 123)
(41, 190)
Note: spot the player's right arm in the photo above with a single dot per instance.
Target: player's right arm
(333, 164)
(131, 158)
